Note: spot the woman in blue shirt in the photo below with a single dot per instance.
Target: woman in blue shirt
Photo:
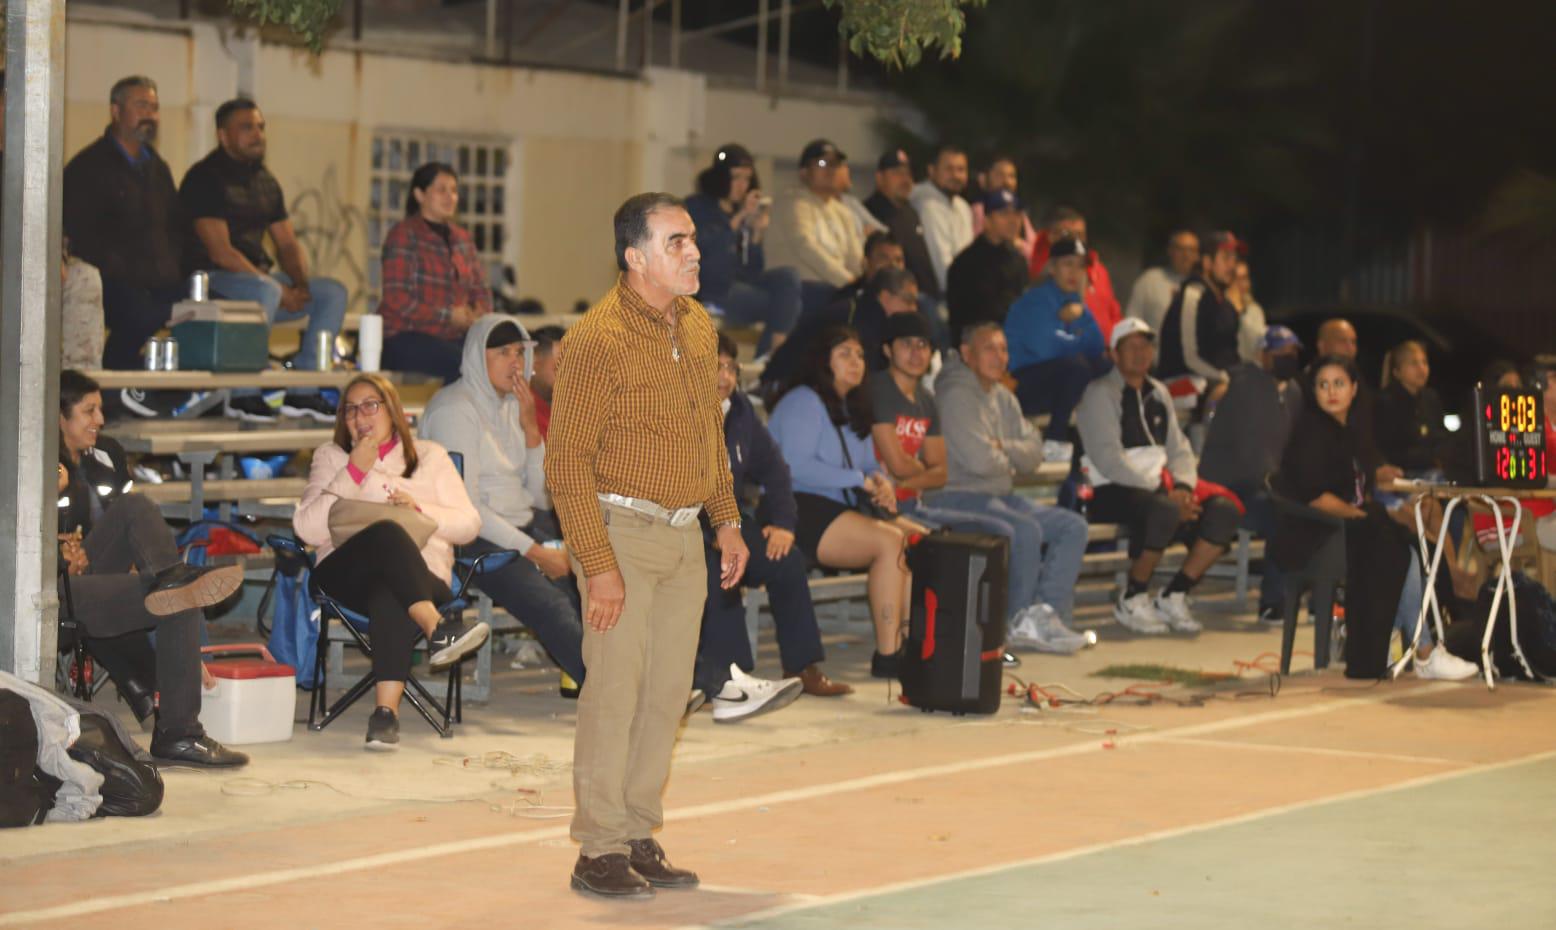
(731, 217)
(846, 503)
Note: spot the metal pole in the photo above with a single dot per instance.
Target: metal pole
(356, 20)
(675, 33)
(785, 7)
(648, 34)
(761, 44)
(621, 35)
(491, 30)
(842, 65)
(29, 335)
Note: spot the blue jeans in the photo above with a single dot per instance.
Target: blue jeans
(549, 608)
(1410, 598)
(773, 299)
(325, 310)
(723, 637)
(1055, 387)
(426, 354)
(1046, 543)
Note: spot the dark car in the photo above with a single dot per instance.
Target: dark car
(1457, 348)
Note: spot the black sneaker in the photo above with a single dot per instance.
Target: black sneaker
(154, 404)
(200, 751)
(309, 405)
(454, 640)
(250, 408)
(1010, 660)
(1271, 616)
(383, 730)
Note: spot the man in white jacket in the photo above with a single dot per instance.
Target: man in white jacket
(948, 220)
(813, 229)
(488, 416)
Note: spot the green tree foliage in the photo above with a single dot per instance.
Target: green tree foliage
(309, 19)
(898, 32)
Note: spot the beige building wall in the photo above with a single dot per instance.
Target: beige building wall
(579, 143)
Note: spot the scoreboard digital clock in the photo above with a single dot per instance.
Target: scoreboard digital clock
(1509, 437)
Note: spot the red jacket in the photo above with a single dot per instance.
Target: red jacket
(423, 277)
(1100, 299)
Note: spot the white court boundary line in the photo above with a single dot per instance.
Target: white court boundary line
(1313, 751)
(1126, 843)
(456, 847)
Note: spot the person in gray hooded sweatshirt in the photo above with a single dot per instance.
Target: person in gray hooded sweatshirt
(987, 443)
(488, 415)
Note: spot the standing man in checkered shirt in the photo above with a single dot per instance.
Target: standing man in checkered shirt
(635, 453)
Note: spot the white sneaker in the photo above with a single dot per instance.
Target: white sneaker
(1443, 665)
(1139, 614)
(1174, 608)
(1056, 451)
(1039, 627)
(744, 696)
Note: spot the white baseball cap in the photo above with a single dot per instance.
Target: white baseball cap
(1128, 327)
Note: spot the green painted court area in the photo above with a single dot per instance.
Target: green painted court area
(1461, 850)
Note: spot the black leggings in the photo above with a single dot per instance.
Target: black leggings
(380, 573)
(1153, 522)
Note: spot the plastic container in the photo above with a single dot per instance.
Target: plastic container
(254, 699)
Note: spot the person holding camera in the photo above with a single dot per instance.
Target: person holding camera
(731, 214)
(847, 505)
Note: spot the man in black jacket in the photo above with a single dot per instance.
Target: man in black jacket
(724, 650)
(121, 214)
(1199, 331)
(991, 273)
(889, 204)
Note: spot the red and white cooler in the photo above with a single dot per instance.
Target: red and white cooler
(248, 696)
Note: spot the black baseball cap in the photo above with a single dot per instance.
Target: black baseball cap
(1065, 247)
(896, 158)
(994, 201)
(905, 326)
(821, 151)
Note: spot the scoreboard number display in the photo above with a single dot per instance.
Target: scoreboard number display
(1509, 437)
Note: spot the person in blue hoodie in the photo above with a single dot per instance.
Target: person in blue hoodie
(1055, 343)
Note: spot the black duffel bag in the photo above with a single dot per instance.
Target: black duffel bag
(1536, 631)
(132, 787)
(26, 792)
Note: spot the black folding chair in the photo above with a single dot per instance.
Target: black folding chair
(1320, 577)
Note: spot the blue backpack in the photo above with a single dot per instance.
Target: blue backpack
(294, 625)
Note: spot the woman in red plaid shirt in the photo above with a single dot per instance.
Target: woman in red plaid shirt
(433, 282)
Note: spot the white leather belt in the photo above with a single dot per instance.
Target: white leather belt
(676, 518)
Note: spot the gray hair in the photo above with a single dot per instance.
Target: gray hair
(123, 86)
(632, 221)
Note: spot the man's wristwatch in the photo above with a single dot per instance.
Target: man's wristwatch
(733, 523)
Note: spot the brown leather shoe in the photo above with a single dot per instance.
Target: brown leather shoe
(609, 876)
(816, 682)
(648, 860)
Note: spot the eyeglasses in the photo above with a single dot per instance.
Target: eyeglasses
(368, 408)
(730, 368)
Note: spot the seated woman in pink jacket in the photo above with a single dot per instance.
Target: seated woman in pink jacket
(378, 571)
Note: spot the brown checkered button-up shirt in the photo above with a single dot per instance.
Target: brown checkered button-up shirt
(628, 418)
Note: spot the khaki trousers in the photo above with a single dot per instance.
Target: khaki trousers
(639, 676)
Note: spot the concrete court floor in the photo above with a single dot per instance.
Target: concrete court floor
(1409, 804)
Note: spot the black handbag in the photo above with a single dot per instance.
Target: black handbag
(860, 502)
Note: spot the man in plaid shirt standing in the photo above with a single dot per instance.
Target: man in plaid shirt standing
(635, 453)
